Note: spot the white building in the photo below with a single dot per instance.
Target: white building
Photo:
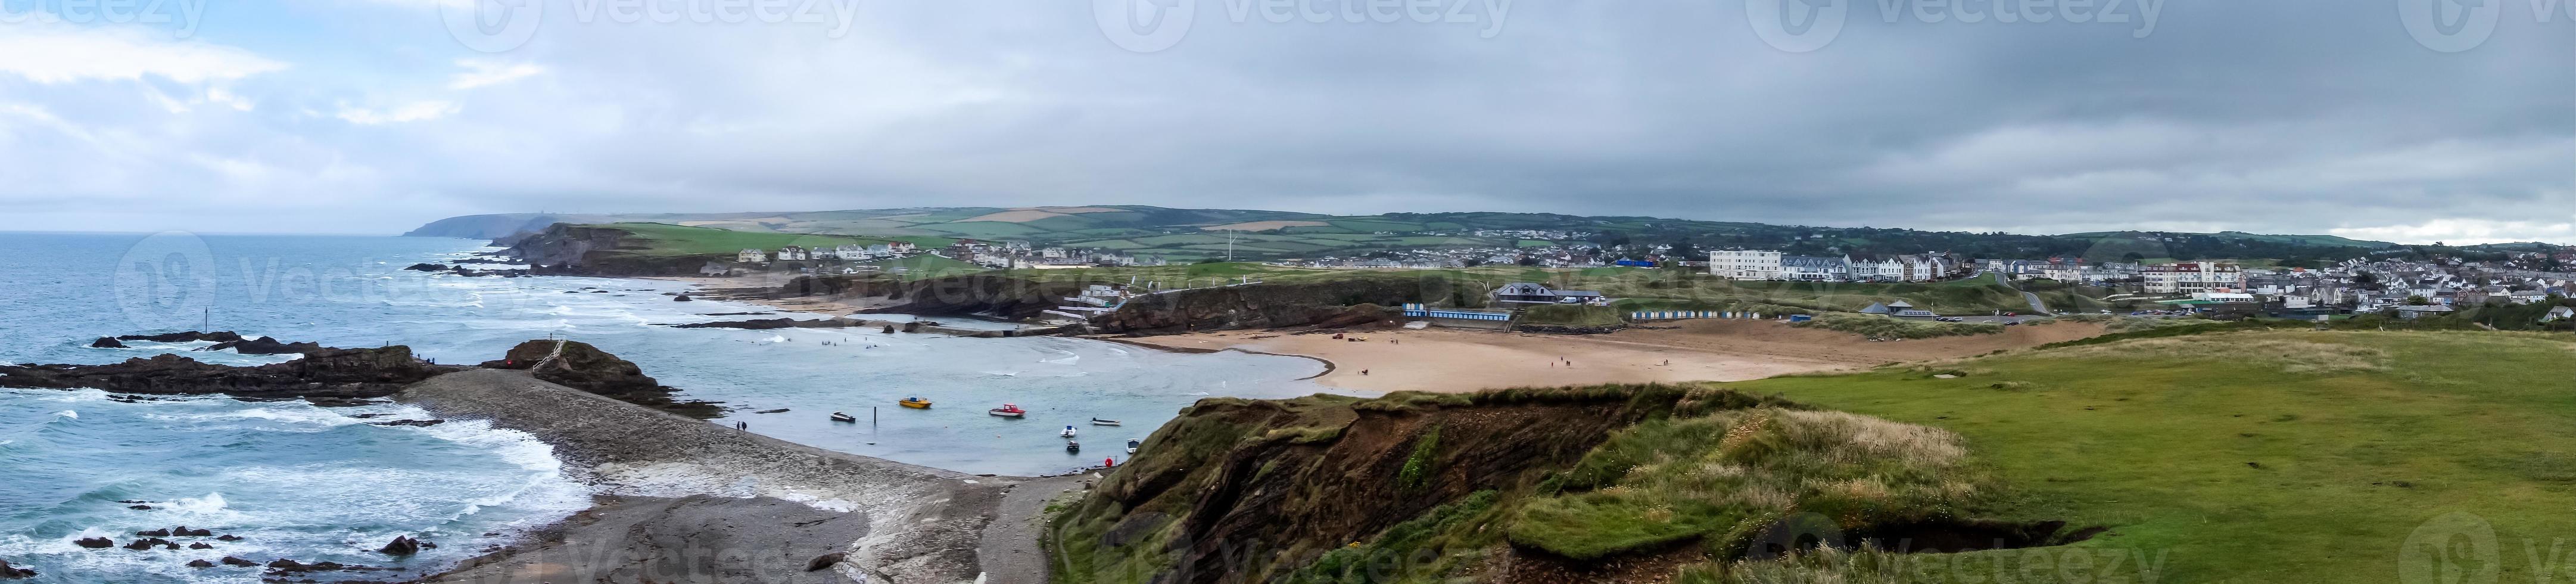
(752, 256)
(792, 254)
(1745, 264)
(2193, 277)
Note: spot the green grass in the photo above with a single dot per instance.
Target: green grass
(2348, 459)
(1898, 328)
(668, 239)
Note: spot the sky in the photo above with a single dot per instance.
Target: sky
(2403, 120)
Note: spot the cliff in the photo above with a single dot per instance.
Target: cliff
(491, 226)
(1585, 484)
(566, 249)
(1324, 302)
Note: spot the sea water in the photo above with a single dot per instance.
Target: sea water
(316, 484)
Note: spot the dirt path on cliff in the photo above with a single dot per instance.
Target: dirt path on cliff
(1011, 550)
(1455, 360)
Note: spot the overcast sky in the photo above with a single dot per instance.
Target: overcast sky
(373, 116)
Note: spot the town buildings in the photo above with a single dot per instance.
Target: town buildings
(2189, 277)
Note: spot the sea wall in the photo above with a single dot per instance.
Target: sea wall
(923, 523)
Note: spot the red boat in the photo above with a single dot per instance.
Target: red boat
(1009, 411)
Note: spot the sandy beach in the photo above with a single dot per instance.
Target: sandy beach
(1454, 360)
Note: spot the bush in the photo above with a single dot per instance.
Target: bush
(1898, 328)
(1572, 315)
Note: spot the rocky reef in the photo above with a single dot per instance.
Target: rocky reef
(579, 365)
(323, 374)
(565, 249)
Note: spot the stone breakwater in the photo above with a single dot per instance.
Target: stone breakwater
(911, 524)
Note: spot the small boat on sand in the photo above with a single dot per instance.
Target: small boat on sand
(1072, 446)
(915, 403)
(1101, 422)
(1009, 411)
(1068, 432)
(1133, 444)
(841, 417)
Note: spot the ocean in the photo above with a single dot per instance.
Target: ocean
(317, 484)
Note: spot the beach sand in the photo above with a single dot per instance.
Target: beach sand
(1456, 360)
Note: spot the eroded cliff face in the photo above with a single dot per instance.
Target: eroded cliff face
(1327, 303)
(577, 250)
(1250, 491)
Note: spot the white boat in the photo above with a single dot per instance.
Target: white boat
(1068, 432)
(1133, 444)
(1101, 422)
(841, 417)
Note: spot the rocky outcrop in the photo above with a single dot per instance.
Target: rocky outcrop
(402, 545)
(1276, 305)
(186, 337)
(96, 543)
(586, 250)
(267, 346)
(1244, 491)
(988, 295)
(106, 343)
(585, 367)
(467, 272)
(9, 572)
(332, 373)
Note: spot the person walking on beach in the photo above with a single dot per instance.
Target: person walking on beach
(1363, 371)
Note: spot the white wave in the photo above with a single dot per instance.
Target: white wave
(1003, 373)
(73, 414)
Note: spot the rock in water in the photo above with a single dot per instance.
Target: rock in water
(8, 572)
(402, 546)
(149, 543)
(184, 531)
(155, 533)
(201, 546)
(825, 561)
(680, 298)
(229, 537)
(107, 343)
(233, 561)
(96, 543)
(200, 564)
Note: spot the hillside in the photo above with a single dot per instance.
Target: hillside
(2261, 456)
(1187, 234)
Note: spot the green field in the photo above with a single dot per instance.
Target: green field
(667, 239)
(2260, 456)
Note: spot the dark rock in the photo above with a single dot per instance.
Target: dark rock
(402, 545)
(1232, 307)
(201, 546)
(412, 423)
(680, 298)
(233, 561)
(154, 533)
(184, 531)
(139, 507)
(149, 543)
(200, 564)
(334, 373)
(8, 572)
(825, 561)
(229, 537)
(428, 268)
(107, 343)
(339, 402)
(186, 337)
(585, 367)
(96, 543)
(776, 411)
(267, 346)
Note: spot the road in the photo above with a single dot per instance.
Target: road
(2035, 306)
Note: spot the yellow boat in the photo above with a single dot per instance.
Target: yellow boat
(915, 403)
